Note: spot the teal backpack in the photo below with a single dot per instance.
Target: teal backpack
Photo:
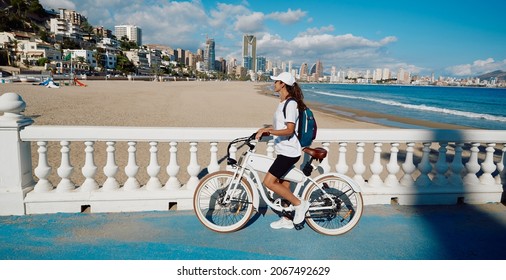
(307, 127)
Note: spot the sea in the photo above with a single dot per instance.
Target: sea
(474, 107)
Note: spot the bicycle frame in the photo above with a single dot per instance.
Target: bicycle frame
(250, 164)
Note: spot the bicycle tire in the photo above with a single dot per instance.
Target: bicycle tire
(344, 217)
(216, 215)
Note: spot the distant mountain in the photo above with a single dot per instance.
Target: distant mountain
(498, 74)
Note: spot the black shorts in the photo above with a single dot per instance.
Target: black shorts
(281, 165)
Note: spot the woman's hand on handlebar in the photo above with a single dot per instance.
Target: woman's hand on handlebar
(263, 132)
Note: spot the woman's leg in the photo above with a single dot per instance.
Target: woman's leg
(282, 189)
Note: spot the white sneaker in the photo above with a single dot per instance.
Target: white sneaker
(282, 223)
(300, 212)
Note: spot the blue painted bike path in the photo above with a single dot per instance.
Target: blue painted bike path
(385, 232)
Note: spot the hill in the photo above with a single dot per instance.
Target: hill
(22, 15)
(498, 74)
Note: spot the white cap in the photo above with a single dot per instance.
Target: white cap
(285, 77)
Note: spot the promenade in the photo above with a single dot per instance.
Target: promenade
(385, 232)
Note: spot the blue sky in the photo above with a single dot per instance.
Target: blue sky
(449, 38)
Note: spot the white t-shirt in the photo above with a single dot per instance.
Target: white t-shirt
(286, 145)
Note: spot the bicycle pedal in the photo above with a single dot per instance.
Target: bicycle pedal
(299, 226)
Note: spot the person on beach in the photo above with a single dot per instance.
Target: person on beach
(286, 145)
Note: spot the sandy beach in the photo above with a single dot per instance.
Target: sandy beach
(157, 104)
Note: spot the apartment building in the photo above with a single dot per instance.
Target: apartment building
(132, 32)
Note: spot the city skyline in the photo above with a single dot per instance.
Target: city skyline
(455, 38)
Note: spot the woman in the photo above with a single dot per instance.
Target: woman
(286, 145)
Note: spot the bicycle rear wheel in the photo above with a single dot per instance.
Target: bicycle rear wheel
(213, 212)
(341, 218)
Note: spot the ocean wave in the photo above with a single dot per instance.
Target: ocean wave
(421, 107)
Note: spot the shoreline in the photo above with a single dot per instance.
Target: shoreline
(386, 120)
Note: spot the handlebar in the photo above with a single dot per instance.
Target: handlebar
(247, 141)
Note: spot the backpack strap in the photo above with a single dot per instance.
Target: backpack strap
(299, 126)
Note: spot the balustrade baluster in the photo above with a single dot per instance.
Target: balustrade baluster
(233, 152)
(393, 166)
(342, 165)
(213, 164)
(110, 169)
(488, 166)
(270, 148)
(131, 168)
(324, 165)
(43, 169)
(359, 166)
(441, 166)
(408, 166)
(472, 166)
(457, 166)
(376, 167)
(89, 169)
(65, 169)
(153, 168)
(425, 167)
(499, 179)
(173, 169)
(193, 168)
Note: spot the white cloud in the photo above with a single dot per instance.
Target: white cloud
(288, 17)
(477, 67)
(250, 23)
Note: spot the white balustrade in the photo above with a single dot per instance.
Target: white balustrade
(393, 167)
(408, 166)
(43, 169)
(488, 166)
(193, 168)
(324, 165)
(89, 169)
(425, 167)
(359, 166)
(110, 169)
(376, 167)
(473, 166)
(441, 166)
(270, 149)
(480, 179)
(173, 182)
(131, 168)
(457, 167)
(213, 164)
(153, 168)
(342, 165)
(65, 169)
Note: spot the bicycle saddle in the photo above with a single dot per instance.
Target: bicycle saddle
(316, 153)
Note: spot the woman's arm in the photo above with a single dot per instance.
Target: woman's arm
(288, 131)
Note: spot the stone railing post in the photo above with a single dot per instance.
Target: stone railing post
(15, 156)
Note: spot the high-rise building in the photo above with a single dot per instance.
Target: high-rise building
(209, 55)
(261, 64)
(132, 32)
(249, 52)
(67, 24)
(319, 70)
(304, 71)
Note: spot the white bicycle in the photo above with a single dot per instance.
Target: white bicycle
(225, 200)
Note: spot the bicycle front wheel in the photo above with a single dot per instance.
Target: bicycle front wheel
(216, 213)
(347, 210)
